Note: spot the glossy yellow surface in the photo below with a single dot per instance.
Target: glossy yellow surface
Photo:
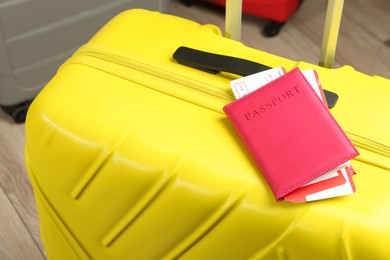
(131, 157)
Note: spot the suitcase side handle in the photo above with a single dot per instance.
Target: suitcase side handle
(214, 63)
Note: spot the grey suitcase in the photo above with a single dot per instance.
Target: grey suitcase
(36, 37)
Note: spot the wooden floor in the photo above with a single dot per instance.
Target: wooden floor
(364, 43)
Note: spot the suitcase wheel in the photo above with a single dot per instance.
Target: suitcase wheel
(188, 2)
(272, 28)
(18, 112)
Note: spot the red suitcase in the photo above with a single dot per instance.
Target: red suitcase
(277, 11)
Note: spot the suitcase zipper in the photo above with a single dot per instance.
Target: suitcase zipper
(217, 89)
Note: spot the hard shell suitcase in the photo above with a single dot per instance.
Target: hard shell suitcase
(277, 12)
(131, 157)
(37, 36)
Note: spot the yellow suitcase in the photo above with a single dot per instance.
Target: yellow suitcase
(131, 156)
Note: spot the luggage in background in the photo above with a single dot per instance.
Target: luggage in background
(130, 156)
(37, 36)
(277, 11)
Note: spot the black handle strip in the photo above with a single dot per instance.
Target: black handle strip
(214, 63)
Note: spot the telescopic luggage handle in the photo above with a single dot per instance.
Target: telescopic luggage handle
(233, 18)
(330, 33)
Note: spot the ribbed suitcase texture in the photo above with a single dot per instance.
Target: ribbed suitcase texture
(131, 156)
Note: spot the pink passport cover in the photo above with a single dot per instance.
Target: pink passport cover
(289, 132)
